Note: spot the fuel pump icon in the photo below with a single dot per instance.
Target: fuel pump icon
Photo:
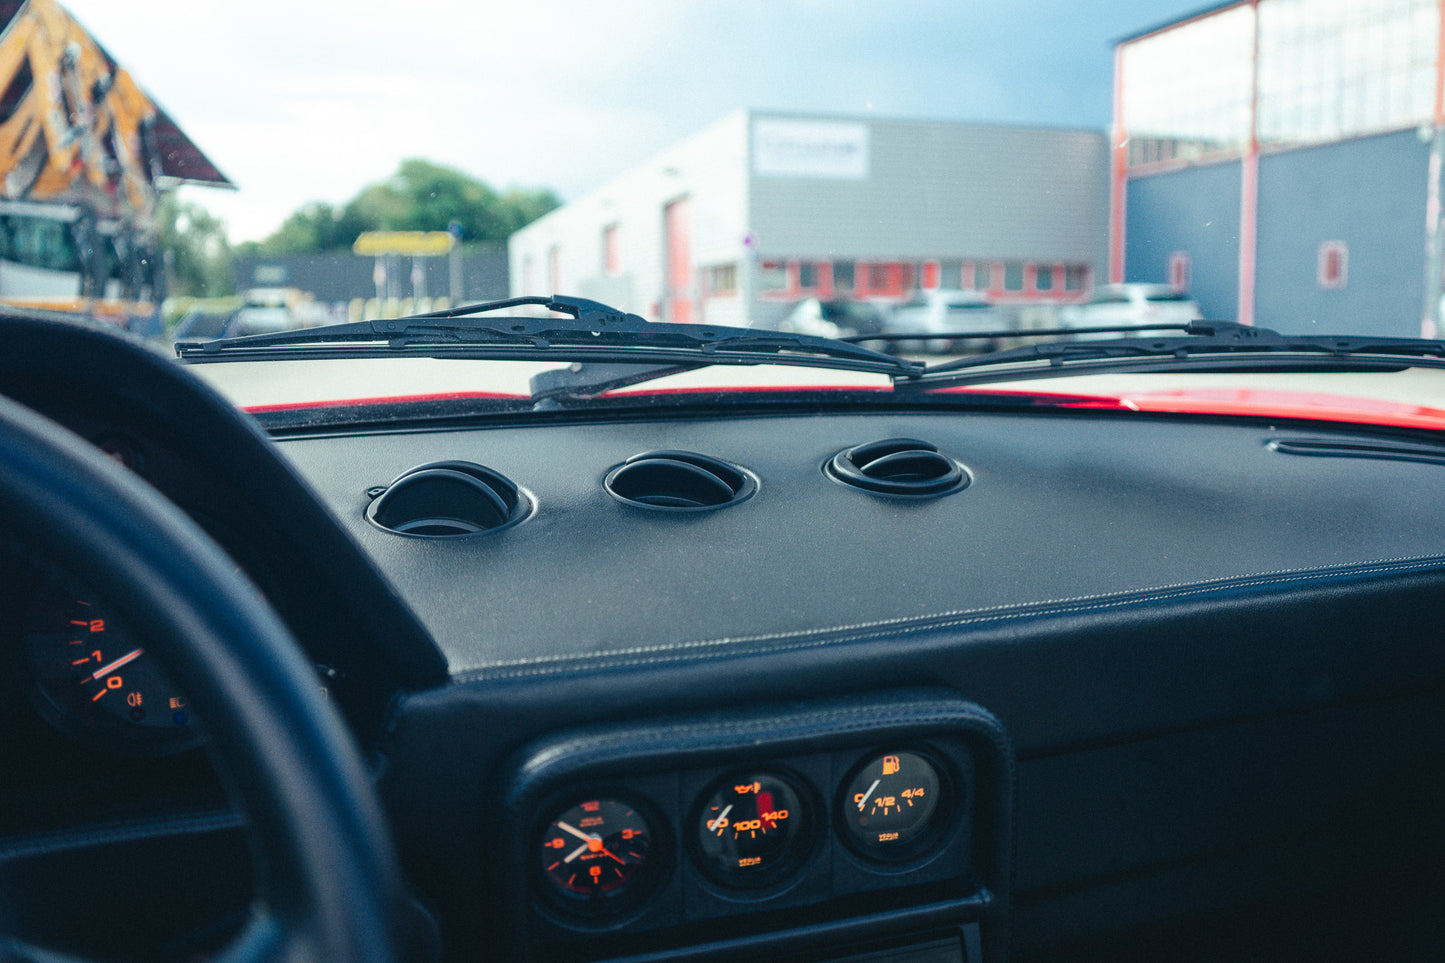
(890, 765)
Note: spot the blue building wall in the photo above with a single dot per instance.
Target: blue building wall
(1369, 193)
(1194, 210)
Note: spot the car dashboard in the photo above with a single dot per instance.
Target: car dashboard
(1116, 686)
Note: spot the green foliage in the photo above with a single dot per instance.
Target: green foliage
(420, 196)
(193, 241)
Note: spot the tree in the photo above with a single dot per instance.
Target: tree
(193, 242)
(420, 196)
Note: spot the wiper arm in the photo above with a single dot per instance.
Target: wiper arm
(1240, 344)
(580, 382)
(593, 330)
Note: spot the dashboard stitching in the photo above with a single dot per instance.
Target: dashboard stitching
(811, 638)
(579, 753)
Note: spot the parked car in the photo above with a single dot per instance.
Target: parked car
(1120, 304)
(833, 318)
(947, 311)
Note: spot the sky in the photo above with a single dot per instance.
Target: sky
(303, 100)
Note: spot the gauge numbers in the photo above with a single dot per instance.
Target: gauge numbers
(751, 830)
(97, 682)
(892, 803)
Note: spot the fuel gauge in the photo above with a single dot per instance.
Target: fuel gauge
(894, 805)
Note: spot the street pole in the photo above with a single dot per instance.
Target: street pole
(454, 263)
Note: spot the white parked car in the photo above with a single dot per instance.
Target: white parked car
(945, 311)
(1117, 304)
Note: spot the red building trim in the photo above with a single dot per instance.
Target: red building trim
(1119, 179)
(1249, 187)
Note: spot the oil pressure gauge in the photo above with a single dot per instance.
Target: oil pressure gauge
(894, 806)
(751, 829)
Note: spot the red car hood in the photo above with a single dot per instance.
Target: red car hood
(1254, 402)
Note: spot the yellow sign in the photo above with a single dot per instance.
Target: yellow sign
(414, 243)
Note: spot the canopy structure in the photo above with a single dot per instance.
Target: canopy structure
(75, 127)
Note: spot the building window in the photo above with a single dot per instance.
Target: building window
(1013, 276)
(1332, 265)
(772, 276)
(878, 277)
(611, 256)
(981, 276)
(843, 275)
(721, 279)
(1178, 272)
(1076, 277)
(1044, 277)
(808, 276)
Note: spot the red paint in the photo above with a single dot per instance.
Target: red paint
(1440, 68)
(1249, 186)
(1251, 402)
(677, 224)
(1289, 404)
(1119, 179)
(932, 276)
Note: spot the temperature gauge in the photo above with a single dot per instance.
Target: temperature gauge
(893, 805)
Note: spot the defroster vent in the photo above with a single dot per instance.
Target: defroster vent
(448, 498)
(679, 481)
(898, 466)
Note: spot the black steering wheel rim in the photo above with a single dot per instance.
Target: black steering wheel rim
(328, 876)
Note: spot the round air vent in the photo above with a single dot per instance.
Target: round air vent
(680, 481)
(898, 466)
(446, 499)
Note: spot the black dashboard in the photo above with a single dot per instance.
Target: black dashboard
(1148, 681)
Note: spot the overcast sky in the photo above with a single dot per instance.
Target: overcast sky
(299, 100)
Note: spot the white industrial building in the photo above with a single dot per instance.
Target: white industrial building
(763, 208)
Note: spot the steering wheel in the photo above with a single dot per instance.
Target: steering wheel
(330, 888)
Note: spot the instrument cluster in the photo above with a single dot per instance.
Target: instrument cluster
(750, 831)
(713, 828)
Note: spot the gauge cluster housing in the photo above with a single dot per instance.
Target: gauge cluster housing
(722, 869)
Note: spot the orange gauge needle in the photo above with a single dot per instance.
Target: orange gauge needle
(108, 669)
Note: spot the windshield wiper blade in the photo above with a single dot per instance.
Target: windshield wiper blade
(1229, 341)
(593, 331)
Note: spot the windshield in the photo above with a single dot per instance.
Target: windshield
(991, 178)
